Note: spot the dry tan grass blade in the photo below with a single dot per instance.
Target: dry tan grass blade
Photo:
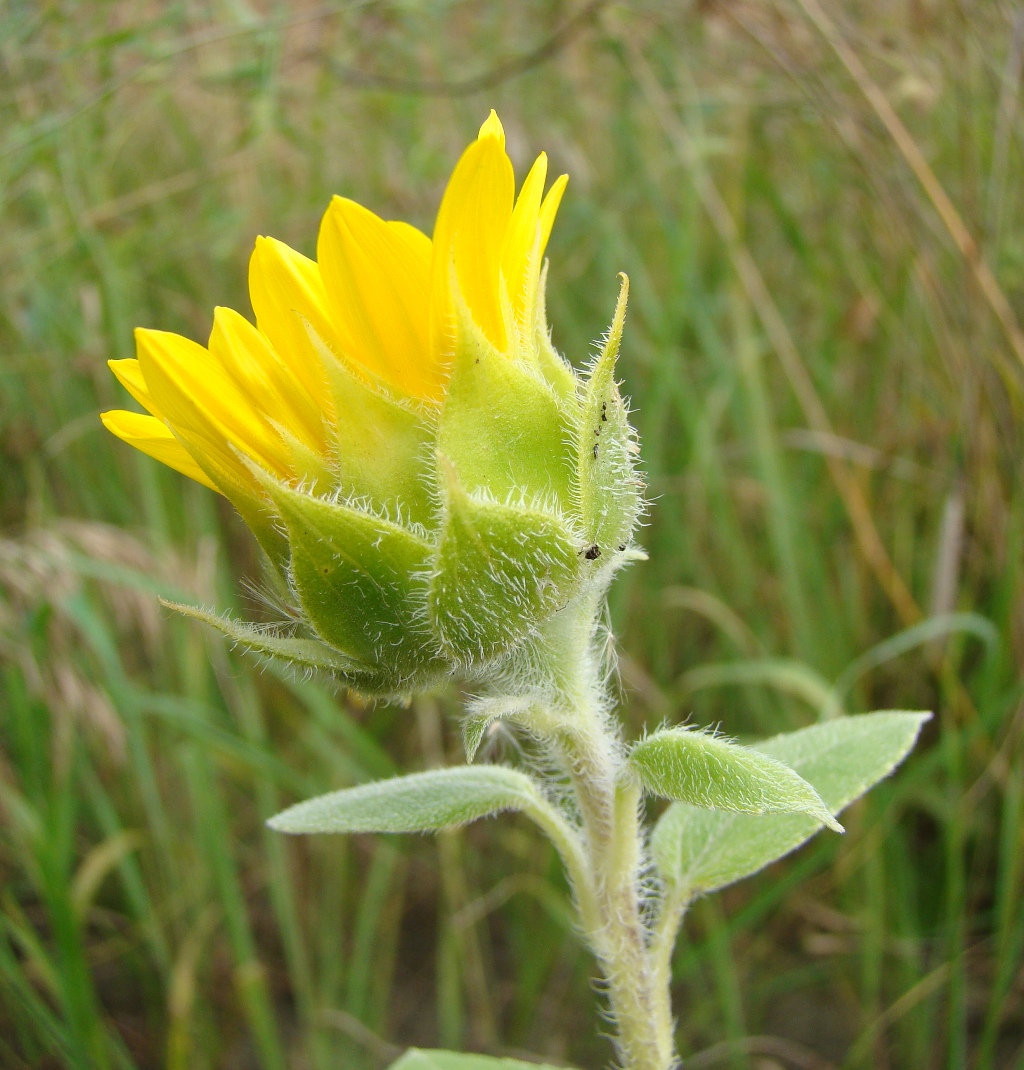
(951, 218)
(868, 538)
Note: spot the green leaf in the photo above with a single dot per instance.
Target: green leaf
(502, 426)
(700, 769)
(499, 571)
(484, 712)
(473, 729)
(417, 1059)
(307, 653)
(359, 578)
(608, 489)
(423, 802)
(700, 850)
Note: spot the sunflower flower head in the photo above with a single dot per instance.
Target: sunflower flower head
(431, 480)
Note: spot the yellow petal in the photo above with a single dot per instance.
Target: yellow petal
(470, 232)
(250, 359)
(377, 278)
(521, 234)
(549, 209)
(529, 301)
(154, 438)
(492, 127)
(283, 286)
(205, 407)
(420, 245)
(129, 375)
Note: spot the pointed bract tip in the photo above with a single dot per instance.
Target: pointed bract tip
(620, 304)
(610, 349)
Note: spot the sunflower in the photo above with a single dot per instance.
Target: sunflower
(377, 304)
(431, 481)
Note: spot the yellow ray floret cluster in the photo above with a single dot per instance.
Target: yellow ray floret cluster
(379, 297)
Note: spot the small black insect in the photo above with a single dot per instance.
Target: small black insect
(595, 451)
(622, 547)
(592, 553)
(604, 412)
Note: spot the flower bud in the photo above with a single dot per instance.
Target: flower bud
(431, 480)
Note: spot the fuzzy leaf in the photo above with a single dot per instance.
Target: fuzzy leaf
(423, 802)
(502, 426)
(700, 769)
(358, 577)
(484, 712)
(608, 489)
(704, 850)
(473, 729)
(417, 1059)
(307, 653)
(499, 571)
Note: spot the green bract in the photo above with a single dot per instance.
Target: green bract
(450, 533)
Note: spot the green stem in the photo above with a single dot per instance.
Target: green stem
(561, 699)
(613, 919)
(573, 856)
(672, 907)
(641, 1006)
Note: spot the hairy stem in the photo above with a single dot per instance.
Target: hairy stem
(574, 857)
(566, 705)
(640, 1006)
(608, 799)
(671, 909)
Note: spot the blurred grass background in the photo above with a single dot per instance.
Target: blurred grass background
(827, 374)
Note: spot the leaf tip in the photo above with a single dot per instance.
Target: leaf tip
(284, 822)
(833, 824)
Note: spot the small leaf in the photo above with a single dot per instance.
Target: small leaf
(417, 1059)
(423, 802)
(702, 850)
(607, 486)
(483, 712)
(473, 729)
(702, 770)
(308, 653)
(499, 571)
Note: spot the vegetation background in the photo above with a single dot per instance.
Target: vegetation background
(820, 208)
